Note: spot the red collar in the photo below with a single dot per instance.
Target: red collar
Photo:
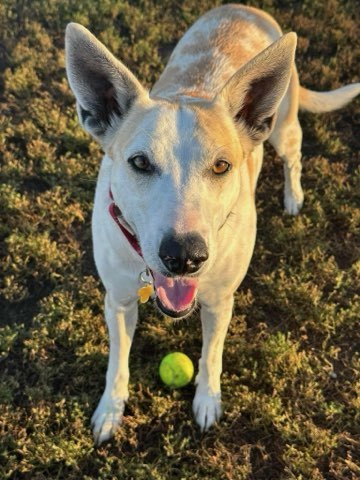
(116, 214)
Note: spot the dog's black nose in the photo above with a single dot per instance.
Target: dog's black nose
(182, 254)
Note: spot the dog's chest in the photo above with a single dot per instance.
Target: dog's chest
(214, 48)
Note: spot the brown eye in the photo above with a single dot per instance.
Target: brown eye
(221, 166)
(141, 163)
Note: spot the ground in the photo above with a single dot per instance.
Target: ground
(291, 368)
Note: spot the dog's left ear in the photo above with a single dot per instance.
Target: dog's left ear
(254, 93)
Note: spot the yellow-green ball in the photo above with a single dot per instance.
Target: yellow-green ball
(176, 370)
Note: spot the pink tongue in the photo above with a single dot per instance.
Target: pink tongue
(176, 294)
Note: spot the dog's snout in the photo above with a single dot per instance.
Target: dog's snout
(182, 254)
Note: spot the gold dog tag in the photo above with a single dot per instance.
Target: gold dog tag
(147, 289)
(145, 292)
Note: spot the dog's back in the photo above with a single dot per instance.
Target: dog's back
(218, 44)
(213, 49)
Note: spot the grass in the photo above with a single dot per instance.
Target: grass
(291, 365)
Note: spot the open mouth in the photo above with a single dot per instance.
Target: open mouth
(175, 296)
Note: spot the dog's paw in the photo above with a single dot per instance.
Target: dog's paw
(107, 418)
(293, 202)
(207, 409)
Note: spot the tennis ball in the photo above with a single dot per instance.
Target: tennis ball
(176, 370)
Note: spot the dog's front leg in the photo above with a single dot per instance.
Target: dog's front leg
(215, 320)
(121, 321)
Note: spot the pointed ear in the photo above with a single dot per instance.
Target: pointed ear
(254, 93)
(104, 88)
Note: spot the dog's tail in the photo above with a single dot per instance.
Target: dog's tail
(321, 102)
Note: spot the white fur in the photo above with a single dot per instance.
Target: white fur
(191, 119)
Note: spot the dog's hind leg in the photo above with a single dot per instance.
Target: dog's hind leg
(286, 138)
(215, 321)
(121, 322)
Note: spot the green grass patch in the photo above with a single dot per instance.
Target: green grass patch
(291, 361)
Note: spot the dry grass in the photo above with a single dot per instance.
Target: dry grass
(291, 368)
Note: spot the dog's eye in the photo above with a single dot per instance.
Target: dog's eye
(221, 166)
(141, 163)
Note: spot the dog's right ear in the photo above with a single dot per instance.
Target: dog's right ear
(104, 88)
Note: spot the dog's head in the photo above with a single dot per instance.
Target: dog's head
(176, 162)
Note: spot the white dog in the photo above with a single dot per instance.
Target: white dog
(180, 168)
